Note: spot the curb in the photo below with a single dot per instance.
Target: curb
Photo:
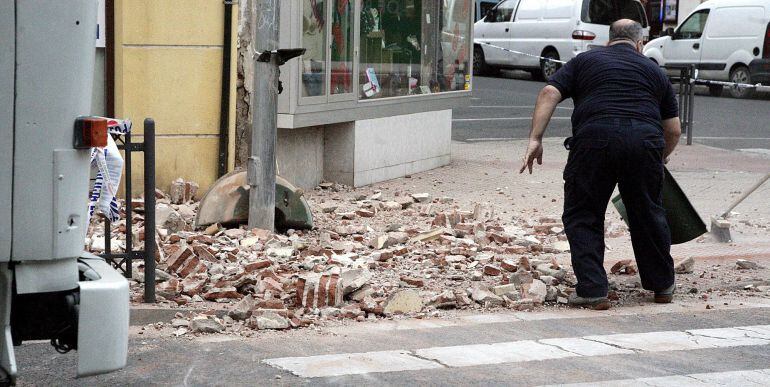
(143, 315)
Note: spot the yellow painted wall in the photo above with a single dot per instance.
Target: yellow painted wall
(168, 66)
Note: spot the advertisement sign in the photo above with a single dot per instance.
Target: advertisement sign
(670, 11)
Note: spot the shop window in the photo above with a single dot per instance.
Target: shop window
(314, 41)
(327, 65)
(342, 47)
(410, 47)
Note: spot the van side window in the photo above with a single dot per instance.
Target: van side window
(485, 7)
(503, 12)
(692, 28)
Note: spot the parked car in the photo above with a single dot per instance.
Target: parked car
(724, 39)
(557, 29)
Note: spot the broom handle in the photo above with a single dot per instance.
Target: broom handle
(746, 194)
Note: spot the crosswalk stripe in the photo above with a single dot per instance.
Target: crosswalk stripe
(759, 377)
(521, 351)
(352, 364)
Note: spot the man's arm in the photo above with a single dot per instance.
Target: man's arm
(672, 130)
(547, 100)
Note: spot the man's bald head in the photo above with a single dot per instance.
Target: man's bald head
(626, 29)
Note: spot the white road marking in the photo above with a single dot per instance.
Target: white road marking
(729, 378)
(504, 119)
(760, 151)
(352, 364)
(497, 353)
(521, 351)
(585, 347)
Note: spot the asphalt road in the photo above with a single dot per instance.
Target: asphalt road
(501, 349)
(501, 108)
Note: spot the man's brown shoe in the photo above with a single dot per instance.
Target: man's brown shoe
(665, 296)
(595, 303)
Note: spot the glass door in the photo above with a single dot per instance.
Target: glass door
(326, 68)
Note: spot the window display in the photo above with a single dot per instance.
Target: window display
(342, 47)
(412, 47)
(406, 47)
(314, 41)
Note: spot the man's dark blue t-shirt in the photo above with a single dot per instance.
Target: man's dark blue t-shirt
(616, 82)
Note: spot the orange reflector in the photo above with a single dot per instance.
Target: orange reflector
(90, 132)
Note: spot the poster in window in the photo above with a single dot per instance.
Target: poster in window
(670, 11)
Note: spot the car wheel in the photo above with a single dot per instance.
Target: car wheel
(549, 68)
(478, 61)
(716, 90)
(480, 66)
(741, 74)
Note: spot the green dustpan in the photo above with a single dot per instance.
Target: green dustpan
(683, 220)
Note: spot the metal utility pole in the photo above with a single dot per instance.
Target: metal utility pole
(264, 132)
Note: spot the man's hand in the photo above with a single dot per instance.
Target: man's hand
(534, 152)
(547, 100)
(672, 130)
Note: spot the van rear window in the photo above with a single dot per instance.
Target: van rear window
(606, 12)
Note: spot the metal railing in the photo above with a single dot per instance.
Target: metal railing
(123, 261)
(688, 79)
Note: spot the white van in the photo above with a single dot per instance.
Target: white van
(558, 29)
(720, 37)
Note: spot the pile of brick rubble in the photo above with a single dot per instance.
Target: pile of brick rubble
(369, 256)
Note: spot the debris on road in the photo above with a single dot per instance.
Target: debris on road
(370, 255)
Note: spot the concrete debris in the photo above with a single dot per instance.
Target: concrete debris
(485, 297)
(421, 197)
(391, 206)
(685, 266)
(182, 191)
(403, 302)
(743, 264)
(428, 235)
(354, 279)
(328, 208)
(483, 212)
(501, 290)
(174, 222)
(371, 255)
(537, 291)
(242, 309)
(271, 320)
(203, 324)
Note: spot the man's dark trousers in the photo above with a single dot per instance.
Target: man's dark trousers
(629, 153)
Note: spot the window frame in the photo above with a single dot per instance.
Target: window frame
(678, 33)
(328, 96)
(497, 7)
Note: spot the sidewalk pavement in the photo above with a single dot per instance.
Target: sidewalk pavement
(488, 172)
(712, 178)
